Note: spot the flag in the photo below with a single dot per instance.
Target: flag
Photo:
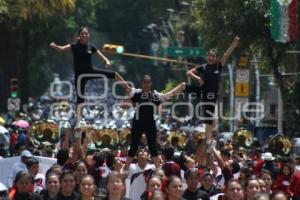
(283, 19)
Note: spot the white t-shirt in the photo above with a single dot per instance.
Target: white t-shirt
(137, 180)
(39, 183)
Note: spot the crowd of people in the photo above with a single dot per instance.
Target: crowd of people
(213, 170)
(149, 170)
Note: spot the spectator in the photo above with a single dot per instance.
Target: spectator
(226, 163)
(67, 182)
(207, 184)
(23, 187)
(170, 167)
(19, 166)
(258, 162)
(52, 187)
(251, 188)
(32, 165)
(233, 191)
(115, 187)
(193, 191)
(97, 161)
(270, 164)
(153, 184)
(296, 158)
(79, 172)
(87, 187)
(262, 185)
(245, 174)
(174, 188)
(138, 172)
(283, 180)
(113, 162)
(295, 186)
(266, 175)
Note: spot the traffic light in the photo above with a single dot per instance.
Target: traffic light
(14, 87)
(113, 48)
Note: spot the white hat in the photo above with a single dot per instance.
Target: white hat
(268, 156)
(26, 153)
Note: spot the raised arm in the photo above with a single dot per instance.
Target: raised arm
(60, 48)
(218, 158)
(123, 83)
(107, 62)
(229, 51)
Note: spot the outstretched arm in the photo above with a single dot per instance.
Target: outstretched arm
(178, 89)
(107, 62)
(123, 83)
(229, 51)
(60, 48)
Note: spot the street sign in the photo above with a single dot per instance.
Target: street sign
(13, 104)
(242, 89)
(186, 52)
(242, 75)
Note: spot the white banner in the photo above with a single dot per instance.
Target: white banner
(6, 165)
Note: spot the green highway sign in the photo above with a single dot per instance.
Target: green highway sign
(186, 52)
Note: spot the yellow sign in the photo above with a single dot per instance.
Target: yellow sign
(242, 89)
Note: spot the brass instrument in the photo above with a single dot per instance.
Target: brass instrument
(242, 138)
(198, 138)
(45, 131)
(63, 106)
(177, 139)
(125, 136)
(280, 145)
(106, 137)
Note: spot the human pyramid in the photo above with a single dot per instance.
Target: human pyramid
(206, 75)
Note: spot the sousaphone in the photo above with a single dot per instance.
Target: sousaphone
(45, 131)
(280, 145)
(177, 139)
(242, 138)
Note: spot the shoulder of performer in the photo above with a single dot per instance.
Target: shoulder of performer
(200, 68)
(135, 91)
(73, 45)
(93, 47)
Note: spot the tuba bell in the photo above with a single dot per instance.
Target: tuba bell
(176, 139)
(45, 132)
(125, 136)
(198, 138)
(280, 145)
(242, 138)
(106, 138)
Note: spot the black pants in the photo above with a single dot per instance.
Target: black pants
(208, 99)
(138, 128)
(108, 73)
